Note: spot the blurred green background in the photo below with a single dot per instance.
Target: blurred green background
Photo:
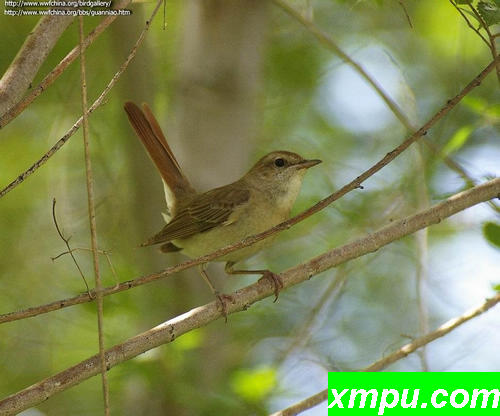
(230, 81)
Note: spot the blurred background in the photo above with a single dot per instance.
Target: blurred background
(230, 81)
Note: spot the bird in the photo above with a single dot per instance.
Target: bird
(200, 223)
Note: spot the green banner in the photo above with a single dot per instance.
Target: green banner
(388, 393)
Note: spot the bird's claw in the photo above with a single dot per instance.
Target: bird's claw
(222, 299)
(275, 280)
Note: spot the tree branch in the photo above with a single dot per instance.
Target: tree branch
(49, 79)
(356, 183)
(303, 405)
(243, 298)
(92, 222)
(38, 44)
(401, 353)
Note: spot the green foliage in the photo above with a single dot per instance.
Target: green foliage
(458, 140)
(483, 107)
(254, 384)
(491, 232)
(489, 11)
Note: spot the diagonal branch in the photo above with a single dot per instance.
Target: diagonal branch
(401, 353)
(492, 43)
(461, 12)
(356, 183)
(52, 76)
(37, 46)
(244, 298)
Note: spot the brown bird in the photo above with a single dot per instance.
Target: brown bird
(200, 223)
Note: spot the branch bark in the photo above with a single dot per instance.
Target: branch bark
(38, 44)
(244, 298)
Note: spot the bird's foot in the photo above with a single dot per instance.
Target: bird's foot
(275, 280)
(222, 300)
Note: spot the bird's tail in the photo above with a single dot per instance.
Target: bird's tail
(149, 132)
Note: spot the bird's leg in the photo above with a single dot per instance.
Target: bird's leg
(222, 298)
(274, 278)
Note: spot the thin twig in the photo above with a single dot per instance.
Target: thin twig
(403, 6)
(457, 168)
(97, 103)
(92, 222)
(242, 299)
(331, 45)
(104, 253)
(492, 43)
(354, 184)
(464, 16)
(66, 241)
(301, 334)
(403, 352)
(303, 405)
(21, 105)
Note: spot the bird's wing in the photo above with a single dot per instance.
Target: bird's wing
(203, 212)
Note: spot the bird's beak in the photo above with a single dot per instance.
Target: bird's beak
(306, 164)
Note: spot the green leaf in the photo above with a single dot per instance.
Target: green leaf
(190, 340)
(481, 107)
(490, 12)
(491, 232)
(476, 104)
(496, 287)
(254, 384)
(463, 1)
(458, 139)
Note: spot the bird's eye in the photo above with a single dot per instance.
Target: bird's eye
(279, 162)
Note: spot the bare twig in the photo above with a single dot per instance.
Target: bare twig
(38, 44)
(398, 355)
(457, 168)
(66, 241)
(92, 222)
(303, 405)
(105, 253)
(492, 44)
(355, 184)
(21, 105)
(301, 335)
(403, 6)
(243, 298)
(97, 103)
(464, 16)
